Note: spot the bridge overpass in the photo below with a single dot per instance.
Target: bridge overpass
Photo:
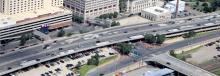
(112, 36)
(180, 66)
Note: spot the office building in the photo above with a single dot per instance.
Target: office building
(171, 6)
(90, 9)
(10, 7)
(135, 6)
(156, 14)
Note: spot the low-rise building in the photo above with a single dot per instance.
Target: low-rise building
(135, 6)
(171, 6)
(29, 21)
(156, 14)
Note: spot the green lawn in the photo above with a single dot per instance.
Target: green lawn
(85, 68)
(217, 72)
(180, 56)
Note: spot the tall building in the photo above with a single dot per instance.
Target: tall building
(172, 6)
(90, 9)
(10, 7)
(135, 6)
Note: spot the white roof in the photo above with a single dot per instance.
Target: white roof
(6, 22)
(174, 2)
(34, 14)
(156, 10)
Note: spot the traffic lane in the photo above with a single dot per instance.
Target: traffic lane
(32, 52)
(81, 40)
(28, 53)
(189, 41)
(108, 68)
(19, 54)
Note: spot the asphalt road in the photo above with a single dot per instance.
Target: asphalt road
(117, 35)
(146, 53)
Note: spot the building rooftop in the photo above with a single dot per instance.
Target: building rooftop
(6, 21)
(27, 17)
(156, 10)
(161, 72)
(174, 2)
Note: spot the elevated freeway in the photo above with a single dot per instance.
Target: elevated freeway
(180, 66)
(12, 62)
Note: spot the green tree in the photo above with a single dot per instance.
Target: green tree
(160, 39)
(205, 4)
(61, 33)
(189, 34)
(94, 60)
(150, 38)
(115, 15)
(114, 23)
(122, 5)
(24, 38)
(172, 53)
(78, 19)
(197, 3)
(78, 65)
(69, 34)
(124, 48)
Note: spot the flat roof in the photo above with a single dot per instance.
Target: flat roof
(34, 15)
(160, 72)
(6, 22)
(156, 10)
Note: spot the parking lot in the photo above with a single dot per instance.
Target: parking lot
(65, 66)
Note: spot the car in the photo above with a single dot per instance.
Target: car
(51, 64)
(61, 61)
(58, 62)
(2, 53)
(125, 31)
(98, 41)
(42, 75)
(111, 53)
(47, 66)
(60, 48)
(168, 63)
(102, 55)
(51, 72)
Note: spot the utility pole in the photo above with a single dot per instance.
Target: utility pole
(177, 7)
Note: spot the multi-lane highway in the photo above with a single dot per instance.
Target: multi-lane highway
(11, 62)
(147, 53)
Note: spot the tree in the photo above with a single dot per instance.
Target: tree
(172, 53)
(78, 19)
(205, 4)
(115, 14)
(61, 33)
(207, 9)
(24, 38)
(150, 38)
(122, 5)
(124, 48)
(160, 38)
(114, 23)
(78, 65)
(69, 34)
(197, 3)
(94, 60)
(189, 34)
